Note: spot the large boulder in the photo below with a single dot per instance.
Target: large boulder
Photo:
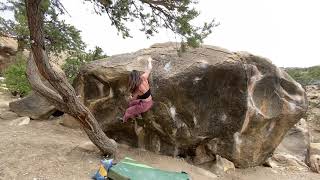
(236, 105)
(8, 50)
(33, 106)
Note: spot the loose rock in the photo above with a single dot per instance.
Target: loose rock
(88, 147)
(20, 121)
(69, 121)
(33, 106)
(8, 115)
(222, 165)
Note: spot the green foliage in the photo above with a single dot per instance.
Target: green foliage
(305, 76)
(59, 36)
(175, 15)
(74, 62)
(15, 76)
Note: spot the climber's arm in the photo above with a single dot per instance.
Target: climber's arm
(148, 70)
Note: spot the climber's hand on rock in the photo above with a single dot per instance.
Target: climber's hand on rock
(149, 63)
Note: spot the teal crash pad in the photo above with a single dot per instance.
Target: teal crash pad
(133, 170)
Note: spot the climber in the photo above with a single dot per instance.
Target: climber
(140, 99)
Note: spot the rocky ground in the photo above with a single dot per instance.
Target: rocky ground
(46, 150)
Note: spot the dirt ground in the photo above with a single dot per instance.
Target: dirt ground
(43, 150)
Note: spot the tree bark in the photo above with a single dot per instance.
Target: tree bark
(63, 95)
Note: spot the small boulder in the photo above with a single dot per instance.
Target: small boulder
(20, 121)
(222, 165)
(202, 156)
(69, 121)
(33, 106)
(8, 115)
(88, 147)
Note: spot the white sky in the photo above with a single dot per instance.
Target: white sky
(285, 31)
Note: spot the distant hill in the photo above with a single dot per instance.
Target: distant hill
(305, 76)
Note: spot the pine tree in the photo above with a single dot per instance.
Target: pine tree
(58, 35)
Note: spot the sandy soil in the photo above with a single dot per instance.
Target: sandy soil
(45, 150)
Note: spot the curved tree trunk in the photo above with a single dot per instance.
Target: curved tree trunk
(63, 95)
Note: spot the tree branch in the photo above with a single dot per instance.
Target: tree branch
(38, 85)
(167, 4)
(35, 15)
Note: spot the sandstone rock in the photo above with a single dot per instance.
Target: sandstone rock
(291, 153)
(20, 121)
(287, 162)
(10, 43)
(8, 115)
(69, 121)
(34, 106)
(8, 49)
(222, 165)
(88, 147)
(239, 105)
(313, 157)
(202, 156)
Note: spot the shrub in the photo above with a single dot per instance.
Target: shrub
(16, 78)
(305, 76)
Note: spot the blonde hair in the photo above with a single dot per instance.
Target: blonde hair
(134, 80)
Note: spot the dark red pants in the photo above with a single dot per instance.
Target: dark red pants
(137, 107)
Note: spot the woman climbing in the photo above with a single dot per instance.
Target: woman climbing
(141, 99)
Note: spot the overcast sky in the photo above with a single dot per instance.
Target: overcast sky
(285, 31)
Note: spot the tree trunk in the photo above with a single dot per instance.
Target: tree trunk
(65, 97)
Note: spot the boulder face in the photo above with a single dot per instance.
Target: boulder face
(235, 105)
(33, 106)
